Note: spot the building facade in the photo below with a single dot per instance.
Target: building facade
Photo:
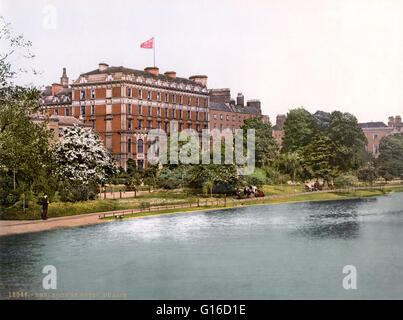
(226, 113)
(123, 104)
(375, 131)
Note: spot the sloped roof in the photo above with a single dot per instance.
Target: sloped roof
(222, 106)
(145, 74)
(376, 124)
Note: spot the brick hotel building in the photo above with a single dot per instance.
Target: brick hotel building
(123, 104)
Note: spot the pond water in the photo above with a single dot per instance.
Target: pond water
(284, 251)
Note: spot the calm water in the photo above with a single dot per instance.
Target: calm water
(286, 251)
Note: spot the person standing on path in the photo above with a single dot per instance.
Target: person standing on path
(45, 203)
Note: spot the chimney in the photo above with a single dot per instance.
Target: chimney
(170, 74)
(240, 99)
(102, 66)
(254, 104)
(391, 121)
(200, 79)
(64, 80)
(398, 120)
(280, 119)
(220, 95)
(56, 87)
(152, 70)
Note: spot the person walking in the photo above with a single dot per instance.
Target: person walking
(45, 203)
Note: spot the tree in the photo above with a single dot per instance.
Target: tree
(291, 164)
(24, 146)
(265, 145)
(390, 160)
(81, 159)
(298, 130)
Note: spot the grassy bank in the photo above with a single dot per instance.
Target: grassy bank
(164, 198)
(287, 199)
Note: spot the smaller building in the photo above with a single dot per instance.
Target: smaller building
(226, 113)
(57, 124)
(278, 129)
(375, 131)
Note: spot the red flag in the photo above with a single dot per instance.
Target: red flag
(148, 44)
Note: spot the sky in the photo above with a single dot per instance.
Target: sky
(325, 55)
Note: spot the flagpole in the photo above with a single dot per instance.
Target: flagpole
(154, 51)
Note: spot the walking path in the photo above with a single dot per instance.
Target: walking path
(8, 227)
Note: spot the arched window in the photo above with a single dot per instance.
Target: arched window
(140, 146)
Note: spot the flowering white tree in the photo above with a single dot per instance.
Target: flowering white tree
(81, 157)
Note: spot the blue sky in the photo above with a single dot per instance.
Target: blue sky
(322, 54)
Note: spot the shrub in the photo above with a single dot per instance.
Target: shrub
(345, 180)
(72, 192)
(257, 178)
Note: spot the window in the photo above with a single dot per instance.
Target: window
(197, 101)
(189, 101)
(159, 112)
(173, 98)
(220, 127)
(149, 124)
(166, 127)
(129, 108)
(233, 129)
(215, 116)
(227, 117)
(180, 126)
(56, 112)
(215, 125)
(233, 118)
(129, 125)
(140, 146)
(66, 111)
(93, 124)
(140, 164)
(159, 125)
(92, 94)
(197, 116)
(149, 95)
(140, 94)
(197, 127)
(129, 145)
(221, 116)
(129, 92)
(83, 110)
(140, 113)
(140, 123)
(180, 100)
(189, 126)
(159, 96)
(375, 136)
(149, 111)
(204, 116)
(205, 102)
(375, 149)
(189, 114)
(166, 97)
(166, 113)
(82, 94)
(180, 114)
(173, 113)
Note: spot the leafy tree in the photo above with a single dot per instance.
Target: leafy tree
(390, 160)
(291, 164)
(367, 173)
(298, 130)
(25, 163)
(81, 159)
(265, 145)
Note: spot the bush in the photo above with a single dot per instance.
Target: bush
(345, 180)
(257, 178)
(274, 176)
(73, 192)
(169, 179)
